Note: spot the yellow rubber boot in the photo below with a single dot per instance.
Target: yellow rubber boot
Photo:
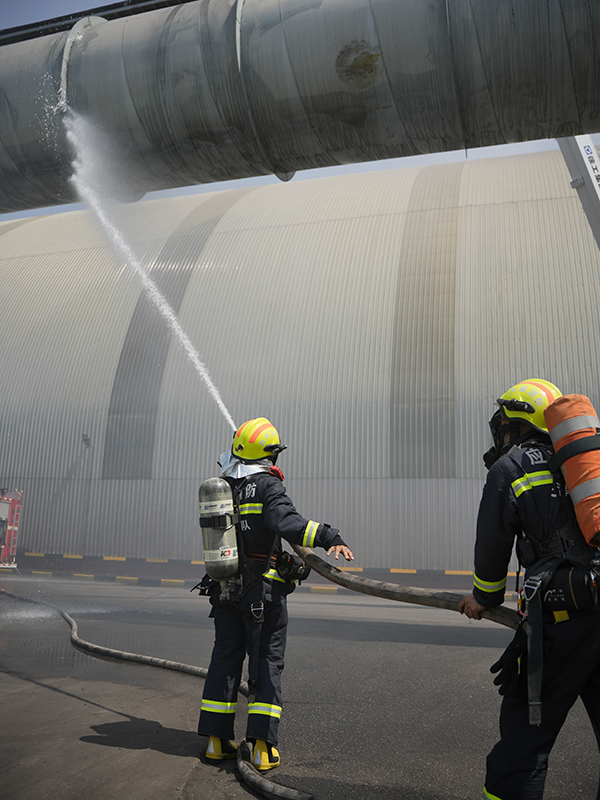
(218, 749)
(265, 756)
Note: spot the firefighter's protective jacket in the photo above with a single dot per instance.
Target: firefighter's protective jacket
(267, 513)
(250, 624)
(517, 499)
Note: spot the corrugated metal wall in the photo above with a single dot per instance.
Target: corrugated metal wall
(374, 318)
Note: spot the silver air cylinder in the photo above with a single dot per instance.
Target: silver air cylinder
(218, 529)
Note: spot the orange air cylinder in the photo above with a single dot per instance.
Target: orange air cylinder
(570, 418)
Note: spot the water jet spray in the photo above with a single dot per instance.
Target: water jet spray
(92, 190)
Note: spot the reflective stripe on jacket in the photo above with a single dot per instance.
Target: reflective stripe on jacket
(267, 513)
(520, 494)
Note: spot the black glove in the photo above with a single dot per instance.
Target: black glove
(511, 664)
(205, 585)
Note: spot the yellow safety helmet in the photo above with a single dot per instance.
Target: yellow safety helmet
(256, 439)
(527, 401)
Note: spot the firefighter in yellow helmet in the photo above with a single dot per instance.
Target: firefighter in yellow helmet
(555, 655)
(256, 622)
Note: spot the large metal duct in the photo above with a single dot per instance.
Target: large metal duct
(218, 89)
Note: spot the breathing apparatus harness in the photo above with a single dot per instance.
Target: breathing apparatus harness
(248, 582)
(562, 576)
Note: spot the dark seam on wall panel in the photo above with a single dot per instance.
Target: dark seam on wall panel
(134, 402)
(422, 418)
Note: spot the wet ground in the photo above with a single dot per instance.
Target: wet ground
(382, 700)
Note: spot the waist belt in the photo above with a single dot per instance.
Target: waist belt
(262, 557)
(268, 568)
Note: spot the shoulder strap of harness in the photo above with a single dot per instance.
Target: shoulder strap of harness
(539, 574)
(237, 493)
(251, 575)
(247, 570)
(567, 541)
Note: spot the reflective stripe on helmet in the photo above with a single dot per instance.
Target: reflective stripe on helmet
(238, 433)
(216, 707)
(264, 708)
(259, 430)
(308, 540)
(489, 586)
(545, 388)
(530, 481)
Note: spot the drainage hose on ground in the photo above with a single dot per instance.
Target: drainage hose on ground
(405, 594)
(107, 652)
(388, 591)
(268, 789)
(263, 786)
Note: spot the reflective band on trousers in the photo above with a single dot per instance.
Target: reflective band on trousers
(264, 708)
(217, 708)
(309, 534)
(489, 796)
(531, 480)
(572, 425)
(489, 586)
(251, 508)
(584, 490)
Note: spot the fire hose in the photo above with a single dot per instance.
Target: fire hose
(404, 594)
(388, 591)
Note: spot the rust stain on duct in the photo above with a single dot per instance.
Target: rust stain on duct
(358, 65)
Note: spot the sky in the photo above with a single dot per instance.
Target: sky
(21, 12)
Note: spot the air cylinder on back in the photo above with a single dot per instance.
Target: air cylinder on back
(217, 520)
(573, 426)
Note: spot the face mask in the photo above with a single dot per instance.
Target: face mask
(499, 427)
(490, 458)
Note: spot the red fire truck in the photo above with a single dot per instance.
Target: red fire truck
(10, 511)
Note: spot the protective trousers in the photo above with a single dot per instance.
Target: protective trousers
(234, 626)
(517, 765)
